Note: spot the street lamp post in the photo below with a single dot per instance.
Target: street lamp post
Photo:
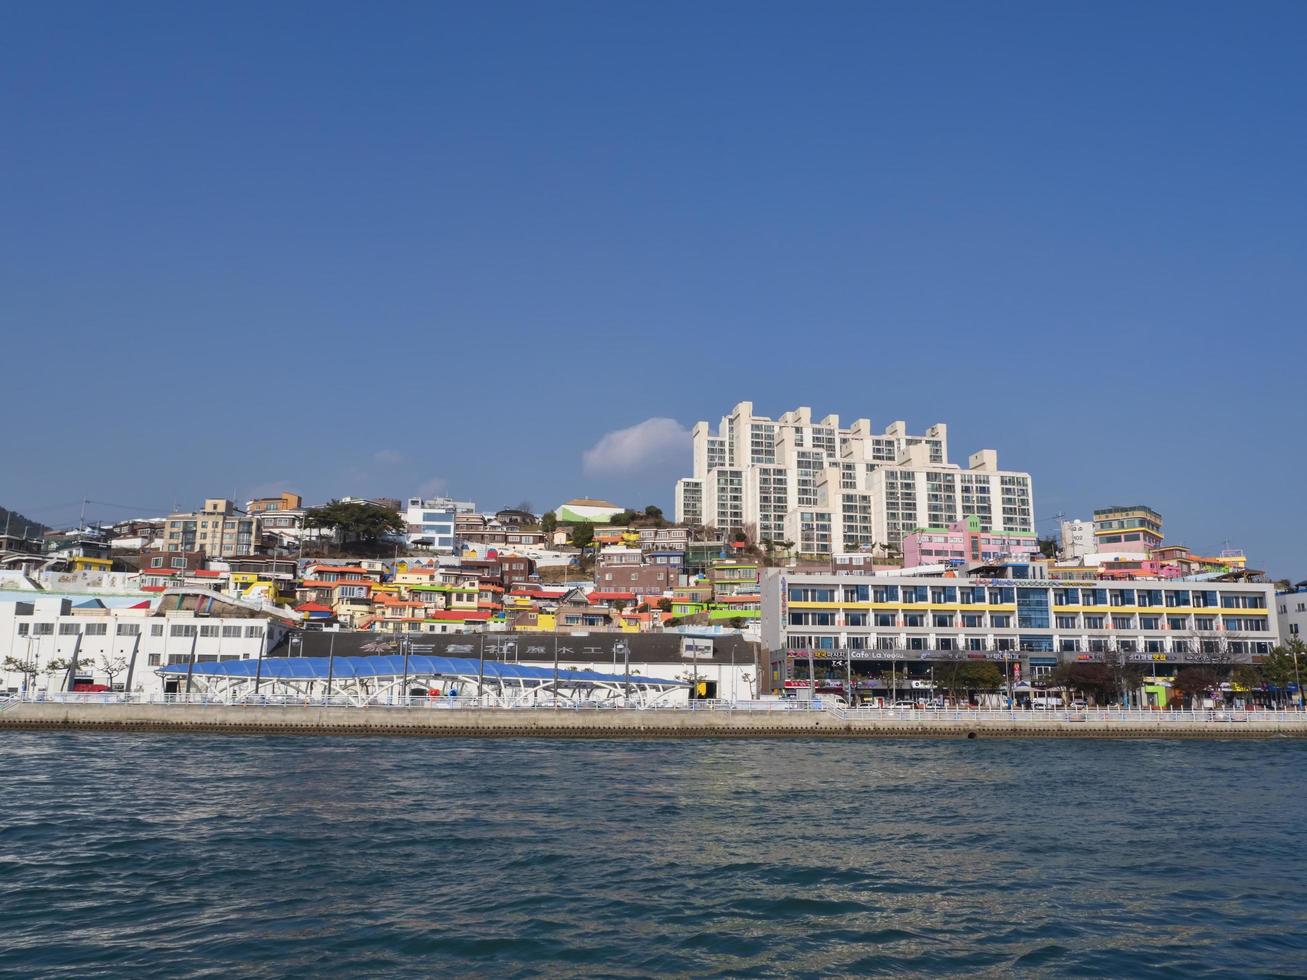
(481, 669)
(190, 666)
(331, 664)
(626, 662)
(1297, 680)
(555, 667)
(403, 648)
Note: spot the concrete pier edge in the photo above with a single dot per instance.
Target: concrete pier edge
(614, 724)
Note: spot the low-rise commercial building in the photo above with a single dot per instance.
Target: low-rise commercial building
(858, 621)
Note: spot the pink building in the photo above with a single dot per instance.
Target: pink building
(966, 543)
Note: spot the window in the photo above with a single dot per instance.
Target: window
(156, 629)
(22, 629)
(253, 631)
(1066, 622)
(155, 659)
(208, 630)
(182, 629)
(1001, 621)
(231, 631)
(128, 629)
(179, 563)
(97, 629)
(156, 562)
(69, 629)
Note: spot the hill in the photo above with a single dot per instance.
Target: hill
(16, 523)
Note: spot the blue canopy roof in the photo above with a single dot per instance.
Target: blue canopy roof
(390, 665)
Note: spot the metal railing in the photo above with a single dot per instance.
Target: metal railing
(1289, 716)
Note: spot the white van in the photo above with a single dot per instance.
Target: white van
(1045, 701)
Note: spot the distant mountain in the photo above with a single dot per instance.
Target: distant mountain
(16, 522)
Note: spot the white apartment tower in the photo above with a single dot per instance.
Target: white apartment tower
(829, 489)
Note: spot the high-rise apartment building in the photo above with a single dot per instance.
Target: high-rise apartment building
(828, 488)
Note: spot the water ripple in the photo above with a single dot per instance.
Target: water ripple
(266, 857)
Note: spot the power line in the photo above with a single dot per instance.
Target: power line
(135, 507)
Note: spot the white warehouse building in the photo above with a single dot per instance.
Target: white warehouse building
(40, 639)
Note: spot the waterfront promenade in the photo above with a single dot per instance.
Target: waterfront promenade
(468, 717)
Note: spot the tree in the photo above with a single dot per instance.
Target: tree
(1047, 547)
(525, 507)
(737, 622)
(981, 675)
(655, 514)
(549, 522)
(1094, 680)
(1248, 677)
(740, 536)
(25, 666)
(1126, 674)
(583, 535)
(618, 604)
(1195, 682)
(623, 519)
(673, 621)
(113, 666)
(365, 523)
(1281, 668)
(665, 604)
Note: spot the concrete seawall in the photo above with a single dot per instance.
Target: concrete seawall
(616, 723)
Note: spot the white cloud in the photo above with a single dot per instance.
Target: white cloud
(270, 489)
(434, 487)
(388, 456)
(651, 444)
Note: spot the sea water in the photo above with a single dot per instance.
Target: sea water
(142, 855)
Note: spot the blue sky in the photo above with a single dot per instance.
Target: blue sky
(375, 250)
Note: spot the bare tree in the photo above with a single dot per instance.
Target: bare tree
(1127, 675)
(113, 666)
(26, 666)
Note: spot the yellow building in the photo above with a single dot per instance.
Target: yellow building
(85, 564)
